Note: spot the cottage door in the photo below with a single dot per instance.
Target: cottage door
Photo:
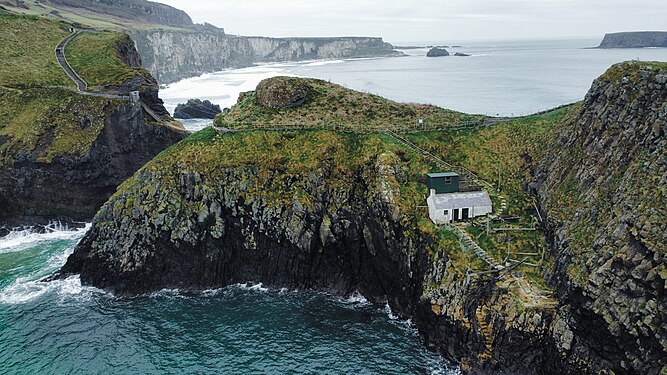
(456, 214)
(465, 214)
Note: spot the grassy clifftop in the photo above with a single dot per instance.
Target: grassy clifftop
(320, 104)
(41, 114)
(96, 58)
(27, 51)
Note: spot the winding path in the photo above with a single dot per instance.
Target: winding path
(81, 85)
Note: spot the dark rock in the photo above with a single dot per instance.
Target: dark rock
(611, 159)
(461, 54)
(196, 108)
(283, 93)
(437, 52)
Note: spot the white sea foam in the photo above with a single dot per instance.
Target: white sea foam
(26, 289)
(322, 63)
(356, 299)
(20, 240)
(222, 88)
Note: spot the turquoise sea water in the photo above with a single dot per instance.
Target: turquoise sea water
(64, 328)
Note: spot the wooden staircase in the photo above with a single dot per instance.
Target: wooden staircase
(486, 330)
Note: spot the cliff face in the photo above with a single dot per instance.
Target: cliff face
(211, 220)
(339, 212)
(604, 192)
(641, 39)
(77, 163)
(174, 55)
(62, 154)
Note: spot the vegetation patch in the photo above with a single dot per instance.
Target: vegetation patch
(323, 105)
(95, 58)
(48, 123)
(27, 51)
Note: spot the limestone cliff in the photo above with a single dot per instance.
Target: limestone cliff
(172, 55)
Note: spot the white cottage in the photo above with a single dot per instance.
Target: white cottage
(447, 204)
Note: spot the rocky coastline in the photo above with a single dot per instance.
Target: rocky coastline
(334, 218)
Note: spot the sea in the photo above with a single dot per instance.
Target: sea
(66, 328)
(510, 78)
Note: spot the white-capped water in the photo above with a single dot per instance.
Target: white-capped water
(19, 239)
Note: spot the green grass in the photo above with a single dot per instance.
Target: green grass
(48, 123)
(27, 51)
(510, 149)
(630, 69)
(335, 107)
(93, 56)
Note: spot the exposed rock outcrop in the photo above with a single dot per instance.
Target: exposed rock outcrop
(283, 93)
(604, 193)
(335, 212)
(437, 52)
(196, 108)
(639, 39)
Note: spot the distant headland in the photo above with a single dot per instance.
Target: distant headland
(638, 39)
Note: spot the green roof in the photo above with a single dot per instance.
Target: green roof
(445, 174)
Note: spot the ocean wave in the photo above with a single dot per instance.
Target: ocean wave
(354, 299)
(322, 63)
(21, 239)
(25, 290)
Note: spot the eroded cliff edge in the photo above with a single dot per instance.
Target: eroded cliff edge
(338, 212)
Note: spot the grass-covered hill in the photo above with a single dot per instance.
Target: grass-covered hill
(62, 153)
(39, 107)
(310, 103)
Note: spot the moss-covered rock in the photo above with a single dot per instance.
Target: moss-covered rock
(283, 93)
(604, 191)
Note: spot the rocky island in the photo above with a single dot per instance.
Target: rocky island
(311, 207)
(196, 108)
(437, 52)
(638, 39)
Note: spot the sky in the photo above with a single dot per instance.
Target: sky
(429, 20)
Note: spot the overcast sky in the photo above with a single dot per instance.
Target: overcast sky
(429, 20)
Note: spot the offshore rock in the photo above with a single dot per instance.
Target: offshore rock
(437, 52)
(196, 108)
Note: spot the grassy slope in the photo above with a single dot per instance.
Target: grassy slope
(34, 119)
(48, 123)
(334, 105)
(27, 52)
(93, 56)
(89, 19)
(510, 148)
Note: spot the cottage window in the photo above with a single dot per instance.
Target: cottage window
(448, 180)
(446, 212)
